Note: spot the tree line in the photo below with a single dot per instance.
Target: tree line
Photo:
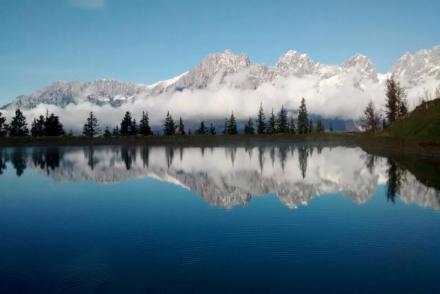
(396, 107)
(279, 123)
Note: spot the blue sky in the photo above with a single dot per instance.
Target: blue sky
(145, 41)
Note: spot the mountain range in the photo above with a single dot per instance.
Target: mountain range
(235, 83)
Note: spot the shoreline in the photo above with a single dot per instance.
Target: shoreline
(378, 145)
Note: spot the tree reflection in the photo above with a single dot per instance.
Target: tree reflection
(370, 162)
(283, 156)
(18, 160)
(232, 152)
(272, 155)
(3, 159)
(394, 180)
(145, 156)
(303, 154)
(181, 153)
(46, 158)
(169, 155)
(89, 154)
(261, 158)
(128, 155)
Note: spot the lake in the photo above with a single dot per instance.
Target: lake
(265, 219)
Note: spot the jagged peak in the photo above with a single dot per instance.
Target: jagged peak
(358, 59)
(292, 55)
(296, 63)
(227, 58)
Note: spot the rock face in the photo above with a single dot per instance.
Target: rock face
(100, 92)
(420, 68)
(417, 71)
(228, 177)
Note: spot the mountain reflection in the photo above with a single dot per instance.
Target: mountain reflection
(229, 176)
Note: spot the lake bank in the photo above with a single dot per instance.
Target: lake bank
(379, 145)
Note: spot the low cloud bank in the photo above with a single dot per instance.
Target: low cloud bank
(330, 98)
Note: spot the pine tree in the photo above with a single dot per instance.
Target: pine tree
(261, 121)
(38, 127)
(212, 129)
(371, 119)
(127, 127)
(232, 125)
(271, 127)
(303, 118)
(116, 132)
(226, 127)
(311, 129)
(282, 123)
(53, 126)
(91, 127)
(18, 126)
(169, 128)
(144, 125)
(292, 127)
(403, 103)
(202, 129)
(249, 127)
(396, 103)
(3, 126)
(181, 128)
(319, 127)
(392, 102)
(133, 128)
(107, 133)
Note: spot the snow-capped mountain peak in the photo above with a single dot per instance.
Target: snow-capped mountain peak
(421, 67)
(363, 65)
(295, 63)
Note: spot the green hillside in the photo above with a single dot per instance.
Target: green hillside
(422, 123)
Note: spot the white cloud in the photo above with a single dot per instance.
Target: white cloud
(88, 4)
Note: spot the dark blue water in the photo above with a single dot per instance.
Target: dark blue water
(222, 220)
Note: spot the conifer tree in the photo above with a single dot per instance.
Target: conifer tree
(202, 129)
(396, 103)
(371, 119)
(116, 131)
(292, 127)
(282, 123)
(311, 128)
(3, 126)
(133, 128)
(169, 127)
(91, 127)
(107, 133)
(403, 105)
(181, 128)
(53, 126)
(18, 126)
(249, 127)
(37, 127)
(261, 121)
(232, 125)
(212, 129)
(127, 127)
(144, 125)
(303, 118)
(319, 126)
(271, 126)
(226, 127)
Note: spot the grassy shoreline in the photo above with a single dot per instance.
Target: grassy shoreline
(376, 144)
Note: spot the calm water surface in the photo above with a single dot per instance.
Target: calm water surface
(270, 219)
